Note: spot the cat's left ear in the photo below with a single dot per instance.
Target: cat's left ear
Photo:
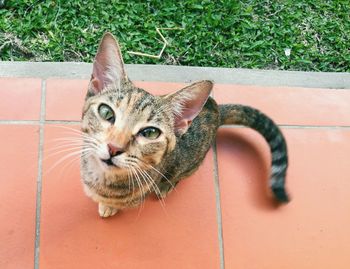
(108, 67)
(188, 102)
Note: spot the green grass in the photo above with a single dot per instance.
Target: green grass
(241, 34)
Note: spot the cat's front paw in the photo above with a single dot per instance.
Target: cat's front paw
(106, 211)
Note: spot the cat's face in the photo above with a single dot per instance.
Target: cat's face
(128, 128)
(124, 127)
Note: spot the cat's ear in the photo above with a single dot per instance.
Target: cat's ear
(108, 66)
(188, 102)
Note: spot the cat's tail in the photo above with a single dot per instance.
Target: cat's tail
(253, 118)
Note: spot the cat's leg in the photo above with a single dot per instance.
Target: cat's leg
(106, 211)
(165, 188)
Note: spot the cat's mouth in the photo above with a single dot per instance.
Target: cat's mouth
(110, 163)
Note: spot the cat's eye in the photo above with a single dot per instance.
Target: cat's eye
(106, 113)
(150, 133)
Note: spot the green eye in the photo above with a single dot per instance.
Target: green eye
(106, 113)
(150, 133)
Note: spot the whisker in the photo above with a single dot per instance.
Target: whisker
(65, 146)
(51, 154)
(131, 179)
(72, 154)
(73, 131)
(73, 144)
(72, 161)
(156, 170)
(144, 191)
(75, 139)
(140, 188)
(129, 183)
(155, 187)
(67, 128)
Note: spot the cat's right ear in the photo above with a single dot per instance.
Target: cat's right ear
(108, 66)
(187, 103)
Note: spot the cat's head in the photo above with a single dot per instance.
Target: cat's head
(125, 126)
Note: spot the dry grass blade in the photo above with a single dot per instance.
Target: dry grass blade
(165, 44)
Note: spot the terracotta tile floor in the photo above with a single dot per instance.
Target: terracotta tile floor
(222, 216)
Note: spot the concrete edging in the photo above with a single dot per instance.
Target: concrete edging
(185, 74)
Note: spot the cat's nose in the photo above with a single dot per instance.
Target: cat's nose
(113, 150)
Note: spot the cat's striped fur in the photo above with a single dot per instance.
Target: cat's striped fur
(187, 120)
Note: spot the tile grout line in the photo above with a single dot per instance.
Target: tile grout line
(37, 122)
(218, 207)
(67, 122)
(19, 122)
(39, 177)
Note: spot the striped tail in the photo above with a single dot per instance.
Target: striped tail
(253, 118)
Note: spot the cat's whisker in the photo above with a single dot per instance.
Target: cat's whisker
(68, 139)
(62, 159)
(129, 180)
(68, 128)
(143, 192)
(158, 193)
(154, 187)
(72, 161)
(76, 139)
(154, 184)
(60, 146)
(72, 134)
(147, 185)
(151, 184)
(75, 152)
(64, 141)
(59, 151)
(139, 184)
(77, 132)
(134, 162)
(132, 181)
(51, 143)
(50, 154)
(161, 174)
(147, 176)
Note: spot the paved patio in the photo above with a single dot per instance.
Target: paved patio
(221, 217)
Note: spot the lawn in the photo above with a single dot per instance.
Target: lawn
(240, 34)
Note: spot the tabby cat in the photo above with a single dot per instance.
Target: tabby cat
(136, 143)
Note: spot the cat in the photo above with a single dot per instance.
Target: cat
(136, 143)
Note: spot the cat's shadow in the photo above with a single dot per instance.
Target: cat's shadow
(254, 164)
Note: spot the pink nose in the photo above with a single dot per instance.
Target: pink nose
(113, 150)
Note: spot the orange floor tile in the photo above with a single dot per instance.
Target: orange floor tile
(20, 99)
(291, 106)
(312, 231)
(65, 98)
(221, 217)
(18, 175)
